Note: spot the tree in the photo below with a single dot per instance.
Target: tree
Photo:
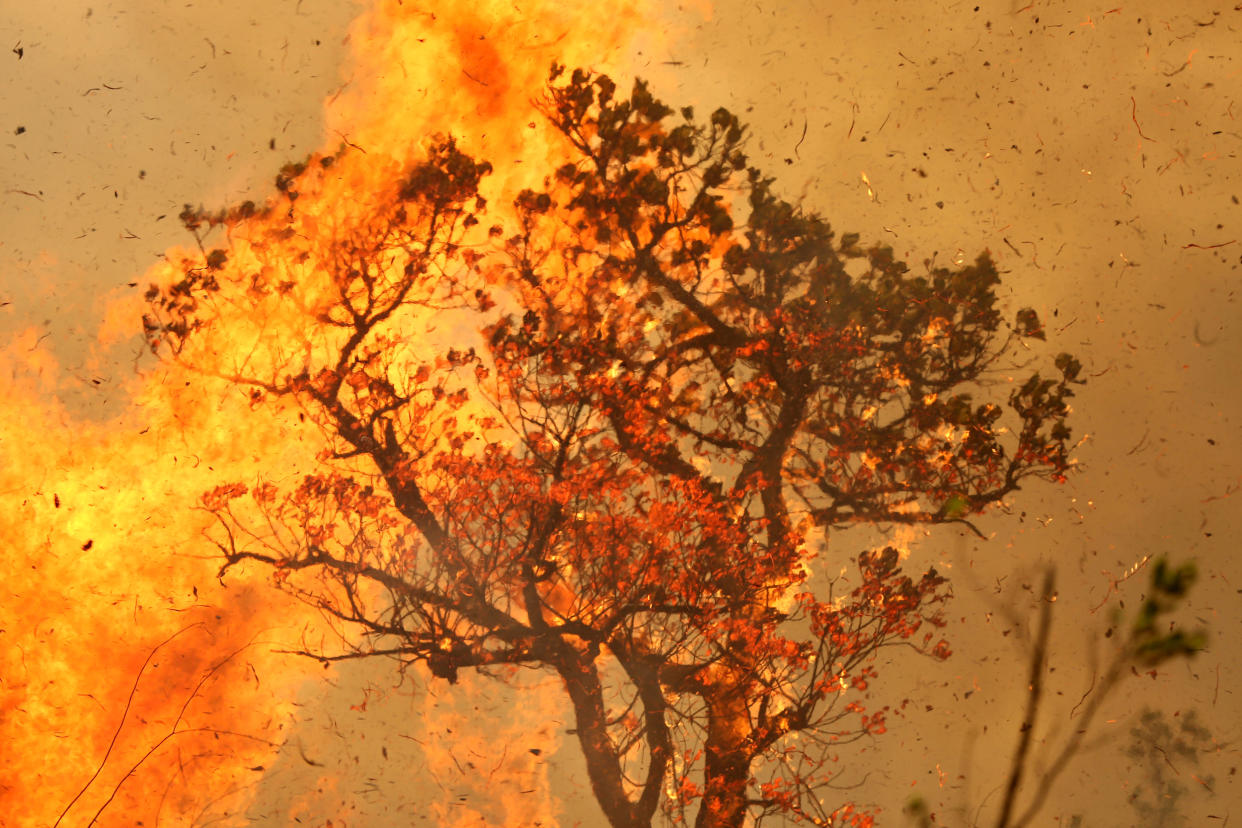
(682, 382)
(1153, 637)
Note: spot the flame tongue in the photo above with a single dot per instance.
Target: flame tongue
(131, 679)
(473, 71)
(122, 655)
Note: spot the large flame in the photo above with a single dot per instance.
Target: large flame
(135, 686)
(134, 683)
(473, 70)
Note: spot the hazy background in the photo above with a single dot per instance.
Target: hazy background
(1095, 150)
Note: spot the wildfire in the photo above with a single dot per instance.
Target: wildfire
(135, 685)
(123, 656)
(332, 371)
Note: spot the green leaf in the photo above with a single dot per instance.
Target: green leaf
(955, 507)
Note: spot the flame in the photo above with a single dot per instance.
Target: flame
(134, 684)
(472, 70)
(496, 775)
(129, 673)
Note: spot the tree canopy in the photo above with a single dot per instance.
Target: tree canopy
(680, 384)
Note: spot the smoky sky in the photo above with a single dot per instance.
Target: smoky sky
(1096, 151)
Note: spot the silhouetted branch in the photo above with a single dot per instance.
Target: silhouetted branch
(1035, 688)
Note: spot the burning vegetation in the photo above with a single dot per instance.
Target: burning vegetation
(529, 372)
(592, 422)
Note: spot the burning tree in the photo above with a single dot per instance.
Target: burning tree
(677, 383)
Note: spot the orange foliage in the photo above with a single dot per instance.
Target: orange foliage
(614, 477)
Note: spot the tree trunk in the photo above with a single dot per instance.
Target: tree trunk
(603, 765)
(727, 771)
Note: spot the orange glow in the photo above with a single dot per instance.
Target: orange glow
(470, 70)
(119, 643)
(130, 673)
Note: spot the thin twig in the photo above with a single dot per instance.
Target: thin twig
(125, 713)
(172, 731)
(1034, 693)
